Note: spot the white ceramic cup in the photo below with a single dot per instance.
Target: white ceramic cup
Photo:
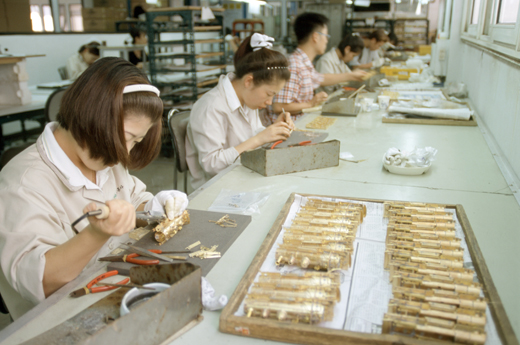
(384, 101)
(366, 104)
(133, 295)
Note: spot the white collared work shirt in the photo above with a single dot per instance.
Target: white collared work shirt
(331, 63)
(218, 123)
(38, 203)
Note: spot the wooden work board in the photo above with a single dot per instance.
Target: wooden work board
(421, 120)
(300, 333)
(199, 229)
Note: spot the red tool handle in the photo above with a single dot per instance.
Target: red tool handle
(101, 277)
(306, 142)
(276, 143)
(130, 258)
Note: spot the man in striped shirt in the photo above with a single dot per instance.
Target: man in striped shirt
(312, 34)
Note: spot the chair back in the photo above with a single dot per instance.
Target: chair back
(64, 75)
(177, 123)
(52, 106)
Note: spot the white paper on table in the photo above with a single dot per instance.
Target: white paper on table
(456, 114)
(365, 287)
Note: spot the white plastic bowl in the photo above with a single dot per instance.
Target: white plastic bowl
(394, 169)
(140, 294)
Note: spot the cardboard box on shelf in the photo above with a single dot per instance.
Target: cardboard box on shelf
(16, 15)
(98, 25)
(425, 49)
(104, 13)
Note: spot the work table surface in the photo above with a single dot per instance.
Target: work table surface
(464, 172)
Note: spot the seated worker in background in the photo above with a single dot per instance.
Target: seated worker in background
(110, 121)
(79, 62)
(312, 34)
(233, 41)
(138, 37)
(225, 122)
(370, 57)
(335, 60)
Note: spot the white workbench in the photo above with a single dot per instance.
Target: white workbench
(464, 172)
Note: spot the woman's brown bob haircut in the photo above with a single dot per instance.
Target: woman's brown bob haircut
(260, 63)
(94, 108)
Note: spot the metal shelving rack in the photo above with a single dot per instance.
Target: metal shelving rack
(161, 56)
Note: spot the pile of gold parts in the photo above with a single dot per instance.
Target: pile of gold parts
(321, 235)
(167, 228)
(307, 298)
(321, 122)
(225, 222)
(434, 296)
(204, 252)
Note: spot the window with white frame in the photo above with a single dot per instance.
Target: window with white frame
(493, 24)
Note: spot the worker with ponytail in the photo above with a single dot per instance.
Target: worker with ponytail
(225, 122)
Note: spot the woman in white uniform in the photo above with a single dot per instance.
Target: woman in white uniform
(370, 57)
(109, 121)
(335, 60)
(225, 122)
(79, 62)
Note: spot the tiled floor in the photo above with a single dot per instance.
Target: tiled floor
(158, 176)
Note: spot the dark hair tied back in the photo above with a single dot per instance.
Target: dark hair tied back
(266, 65)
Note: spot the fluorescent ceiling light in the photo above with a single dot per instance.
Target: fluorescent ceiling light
(362, 3)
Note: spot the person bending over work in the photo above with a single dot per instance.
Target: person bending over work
(138, 37)
(110, 120)
(370, 57)
(79, 62)
(335, 60)
(225, 122)
(312, 34)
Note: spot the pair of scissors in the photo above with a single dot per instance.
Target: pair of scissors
(90, 289)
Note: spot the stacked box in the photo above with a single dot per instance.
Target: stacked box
(102, 18)
(15, 16)
(13, 84)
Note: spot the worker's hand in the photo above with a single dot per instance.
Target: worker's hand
(358, 75)
(285, 117)
(378, 62)
(319, 98)
(120, 220)
(169, 202)
(277, 131)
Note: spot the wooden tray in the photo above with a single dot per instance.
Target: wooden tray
(312, 334)
(429, 121)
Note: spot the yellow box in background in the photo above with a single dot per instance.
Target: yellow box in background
(402, 73)
(425, 49)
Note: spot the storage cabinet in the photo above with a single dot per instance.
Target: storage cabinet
(178, 79)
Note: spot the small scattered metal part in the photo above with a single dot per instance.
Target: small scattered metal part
(206, 253)
(225, 222)
(193, 245)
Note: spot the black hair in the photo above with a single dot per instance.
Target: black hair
(135, 32)
(138, 10)
(354, 41)
(265, 64)
(306, 23)
(379, 35)
(92, 48)
(392, 37)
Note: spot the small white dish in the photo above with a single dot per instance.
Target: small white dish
(136, 296)
(394, 169)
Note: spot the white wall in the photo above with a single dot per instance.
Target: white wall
(57, 49)
(493, 86)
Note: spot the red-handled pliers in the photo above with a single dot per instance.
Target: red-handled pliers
(276, 143)
(130, 258)
(302, 143)
(89, 289)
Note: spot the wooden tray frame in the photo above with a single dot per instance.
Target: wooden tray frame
(472, 122)
(312, 334)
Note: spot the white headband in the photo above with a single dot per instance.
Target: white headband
(141, 87)
(259, 41)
